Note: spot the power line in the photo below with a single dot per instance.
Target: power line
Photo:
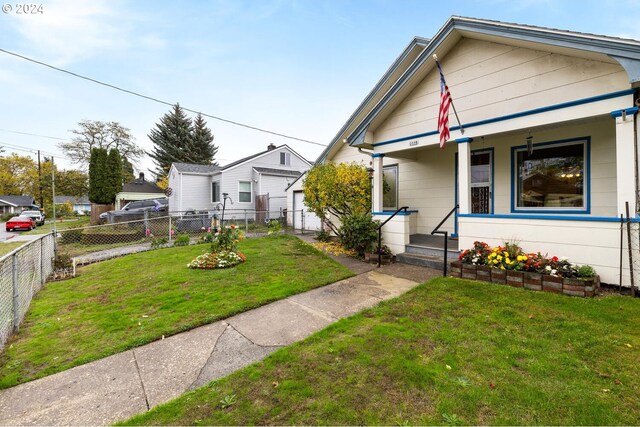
(150, 98)
(28, 150)
(32, 134)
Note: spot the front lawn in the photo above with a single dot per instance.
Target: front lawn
(126, 302)
(65, 224)
(452, 352)
(6, 247)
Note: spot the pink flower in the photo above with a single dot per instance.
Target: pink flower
(147, 232)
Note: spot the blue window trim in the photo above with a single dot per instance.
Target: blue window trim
(550, 217)
(587, 178)
(376, 155)
(402, 213)
(520, 114)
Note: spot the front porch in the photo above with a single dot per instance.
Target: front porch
(426, 250)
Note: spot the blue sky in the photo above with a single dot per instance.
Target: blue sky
(295, 67)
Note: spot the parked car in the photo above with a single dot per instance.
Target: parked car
(20, 223)
(135, 210)
(36, 215)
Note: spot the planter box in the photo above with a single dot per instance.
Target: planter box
(373, 258)
(469, 271)
(533, 281)
(552, 284)
(515, 278)
(498, 276)
(483, 272)
(523, 279)
(456, 269)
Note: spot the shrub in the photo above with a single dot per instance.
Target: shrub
(62, 261)
(359, 232)
(586, 272)
(159, 242)
(274, 226)
(7, 217)
(182, 240)
(226, 239)
(323, 236)
(206, 238)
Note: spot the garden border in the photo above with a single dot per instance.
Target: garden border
(528, 280)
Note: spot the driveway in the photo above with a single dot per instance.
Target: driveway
(4, 236)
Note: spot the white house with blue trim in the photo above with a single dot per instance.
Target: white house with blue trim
(547, 155)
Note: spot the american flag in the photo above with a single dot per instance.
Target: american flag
(443, 113)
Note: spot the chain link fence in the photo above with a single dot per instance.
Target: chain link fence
(22, 274)
(141, 231)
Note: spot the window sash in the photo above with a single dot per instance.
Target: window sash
(390, 177)
(557, 177)
(215, 191)
(244, 192)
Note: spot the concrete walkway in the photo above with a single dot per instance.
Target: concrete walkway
(125, 384)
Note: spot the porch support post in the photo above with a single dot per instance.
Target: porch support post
(376, 191)
(464, 175)
(625, 158)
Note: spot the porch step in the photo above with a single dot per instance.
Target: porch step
(431, 261)
(452, 253)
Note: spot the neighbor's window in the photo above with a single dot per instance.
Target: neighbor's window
(390, 188)
(244, 191)
(285, 159)
(551, 177)
(215, 191)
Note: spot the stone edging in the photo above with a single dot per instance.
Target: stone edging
(528, 280)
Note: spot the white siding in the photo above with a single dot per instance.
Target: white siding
(174, 184)
(274, 186)
(488, 80)
(196, 192)
(583, 242)
(230, 180)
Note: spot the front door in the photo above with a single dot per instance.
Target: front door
(481, 182)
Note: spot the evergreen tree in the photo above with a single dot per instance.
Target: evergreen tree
(127, 171)
(173, 141)
(98, 176)
(203, 142)
(113, 181)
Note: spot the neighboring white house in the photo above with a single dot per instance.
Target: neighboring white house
(138, 189)
(80, 204)
(257, 182)
(549, 153)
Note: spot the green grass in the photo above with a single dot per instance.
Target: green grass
(6, 247)
(76, 222)
(126, 302)
(449, 352)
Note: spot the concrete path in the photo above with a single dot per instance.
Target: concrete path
(120, 386)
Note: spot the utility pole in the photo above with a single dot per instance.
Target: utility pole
(40, 182)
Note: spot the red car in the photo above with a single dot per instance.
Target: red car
(21, 222)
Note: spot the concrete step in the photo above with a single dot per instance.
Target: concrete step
(431, 251)
(422, 260)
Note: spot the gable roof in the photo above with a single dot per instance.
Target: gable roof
(210, 169)
(17, 201)
(193, 168)
(625, 52)
(141, 185)
(278, 172)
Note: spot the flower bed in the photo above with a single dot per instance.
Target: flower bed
(509, 265)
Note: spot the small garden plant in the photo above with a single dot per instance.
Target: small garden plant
(223, 252)
(512, 257)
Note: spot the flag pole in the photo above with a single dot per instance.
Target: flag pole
(435, 57)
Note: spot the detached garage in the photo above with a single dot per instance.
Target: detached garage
(299, 216)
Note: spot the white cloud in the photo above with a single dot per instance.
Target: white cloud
(69, 30)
